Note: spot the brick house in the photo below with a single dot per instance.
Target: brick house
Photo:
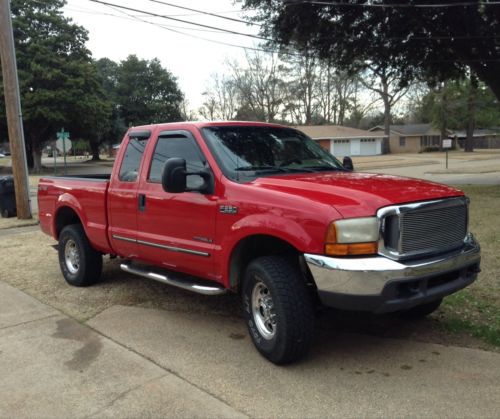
(345, 141)
(411, 138)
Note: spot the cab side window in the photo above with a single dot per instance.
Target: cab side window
(177, 146)
(131, 162)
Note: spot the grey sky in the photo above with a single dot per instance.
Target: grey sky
(116, 33)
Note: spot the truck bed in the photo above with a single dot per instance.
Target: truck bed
(82, 195)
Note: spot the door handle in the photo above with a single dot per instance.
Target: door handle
(142, 202)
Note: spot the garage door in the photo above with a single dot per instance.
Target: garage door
(368, 146)
(341, 148)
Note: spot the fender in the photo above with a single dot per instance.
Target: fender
(68, 200)
(95, 232)
(281, 228)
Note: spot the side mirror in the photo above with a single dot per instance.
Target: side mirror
(174, 177)
(347, 163)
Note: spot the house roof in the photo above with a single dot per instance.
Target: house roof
(410, 129)
(477, 133)
(318, 132)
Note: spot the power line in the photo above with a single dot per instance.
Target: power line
(121, 9)
(204, 13)
(179, 20)
(169, 28)
(216, 29)
(394, 6)
(94, 12)
(70, 4)
(269, 51)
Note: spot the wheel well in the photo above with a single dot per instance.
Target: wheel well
(256, 246)
(66, 216)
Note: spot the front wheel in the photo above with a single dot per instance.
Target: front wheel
(80, 263)
(278, 309)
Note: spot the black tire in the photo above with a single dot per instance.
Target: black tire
(421, 311)
(81, 264)
(287, 334)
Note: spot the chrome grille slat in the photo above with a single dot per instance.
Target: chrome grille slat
(425, 228)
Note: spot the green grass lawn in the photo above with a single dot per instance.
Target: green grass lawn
(476, 309)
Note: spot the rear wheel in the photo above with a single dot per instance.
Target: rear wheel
(422, 310)
(278, 309)
(80, 263)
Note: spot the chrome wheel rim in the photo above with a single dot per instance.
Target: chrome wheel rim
(263, 311)
(72, 256)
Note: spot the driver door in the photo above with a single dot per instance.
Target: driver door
(176, 230)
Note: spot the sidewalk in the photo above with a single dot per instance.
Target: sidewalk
(52, 366)
(138, 362)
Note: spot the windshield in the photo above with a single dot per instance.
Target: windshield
(247, 152)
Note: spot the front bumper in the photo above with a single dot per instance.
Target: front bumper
(379, 284)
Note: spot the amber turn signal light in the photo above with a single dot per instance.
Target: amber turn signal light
(351, 249)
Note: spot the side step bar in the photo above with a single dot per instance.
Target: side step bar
(186, 284)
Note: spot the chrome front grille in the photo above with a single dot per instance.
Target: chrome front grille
(423, 228)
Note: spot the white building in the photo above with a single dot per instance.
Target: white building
(344, 141)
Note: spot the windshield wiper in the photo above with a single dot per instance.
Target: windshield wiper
(260, 169)
(299, 169)
(321, 168)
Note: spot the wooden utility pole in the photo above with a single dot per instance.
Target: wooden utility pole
(13, 110)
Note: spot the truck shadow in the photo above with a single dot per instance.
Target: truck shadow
(330, 323)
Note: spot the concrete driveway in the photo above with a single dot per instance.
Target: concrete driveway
(138, 362)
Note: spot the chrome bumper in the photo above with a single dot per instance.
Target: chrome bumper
(385, 281)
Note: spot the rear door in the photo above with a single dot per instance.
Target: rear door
(122, 195)
(176, 230)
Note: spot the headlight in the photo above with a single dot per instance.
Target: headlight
(354, 236)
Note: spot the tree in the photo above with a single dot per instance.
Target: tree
(220, 99)
(187, 113)
(386, 83)
(302, 85)
(92, 118)
(113, 132)
(260, 86)
(435, 43)
(58, 82)
(460, 105)
(147, 93)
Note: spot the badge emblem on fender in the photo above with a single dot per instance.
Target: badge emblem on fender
(228, 209)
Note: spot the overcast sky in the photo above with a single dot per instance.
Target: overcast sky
(116, 33)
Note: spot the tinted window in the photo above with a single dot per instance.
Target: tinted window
(248, 151)
(178, 146)
(132, 160)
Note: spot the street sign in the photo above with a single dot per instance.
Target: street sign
(447, 143)
(63, 145)
(62, 134)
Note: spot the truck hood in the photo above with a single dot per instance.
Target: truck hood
(356, 194)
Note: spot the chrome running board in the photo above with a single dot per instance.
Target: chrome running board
(184, 283)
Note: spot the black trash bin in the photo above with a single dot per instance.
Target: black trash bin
(7, 197)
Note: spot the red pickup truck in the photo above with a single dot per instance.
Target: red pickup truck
(263, 211)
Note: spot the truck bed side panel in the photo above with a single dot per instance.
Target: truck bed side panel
(87, 197)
